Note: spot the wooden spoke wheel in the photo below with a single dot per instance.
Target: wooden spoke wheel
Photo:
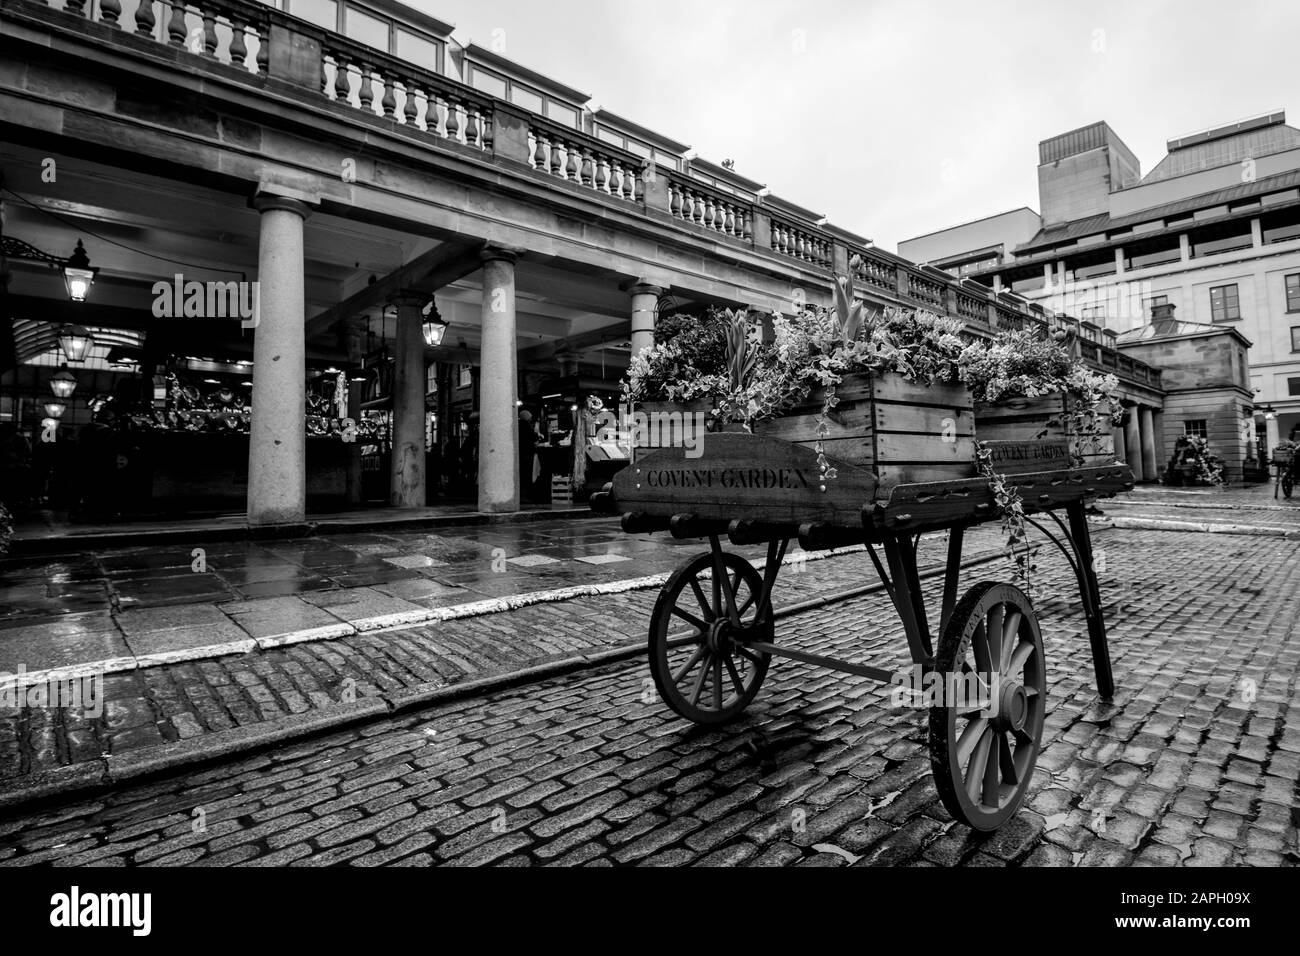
(699, 630)
(985, 733)
(1287, 483)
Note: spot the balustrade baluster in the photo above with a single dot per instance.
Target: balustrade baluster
(588, 169)
(602, 174)
(572, 165)
(632, 184)
(748, 229)
(729, 226)
(557, 159)
(109, 11)
(75, 6)
(366, 92)
(675, 200)
(238, 47)
(176, 32)
(342, 84)
(453, 118)
(410, 109)
(209, 33)
(144, 19)
(485, 128)
(616, 180)
(471, 125)
(263, 48)
(389, 101)
(539, 151)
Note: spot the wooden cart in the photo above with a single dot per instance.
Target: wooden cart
(712, 631)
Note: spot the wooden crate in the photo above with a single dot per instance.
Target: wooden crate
(902, 431)
(1092, 442)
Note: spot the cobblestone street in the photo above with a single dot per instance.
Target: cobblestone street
(1195, 763)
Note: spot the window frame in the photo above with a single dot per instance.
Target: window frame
(1292, 292)
(1202, 432)
(1236, 306)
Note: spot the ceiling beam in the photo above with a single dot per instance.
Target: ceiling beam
(428, 272)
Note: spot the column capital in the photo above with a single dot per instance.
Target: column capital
(491, 253)
(409, 298)
(646, 288)
(291, 200)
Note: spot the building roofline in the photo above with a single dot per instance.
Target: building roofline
(480, 54)
(926, 235)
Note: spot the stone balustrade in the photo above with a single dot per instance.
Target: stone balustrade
(227, 31)
(874, 271)
(802, 244)
(690, 201)
(383, 85)
(926, 291)
(573, 156)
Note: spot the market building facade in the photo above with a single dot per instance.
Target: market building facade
(336, 213)
(1213, 231)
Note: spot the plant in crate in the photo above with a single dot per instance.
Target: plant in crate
(1027, 387)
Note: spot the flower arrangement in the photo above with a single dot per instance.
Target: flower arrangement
(1021, 364)
(720, 358)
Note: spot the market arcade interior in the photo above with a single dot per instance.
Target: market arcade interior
(117, 404)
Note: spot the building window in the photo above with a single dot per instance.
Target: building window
(323, 13)
(1195, 428)
(416, 49)
(1224, 306)
(371, 31)
(1293, 293)
(1295, 338)
(1293, 386)
(489, 83)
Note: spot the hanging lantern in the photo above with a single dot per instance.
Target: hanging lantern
(434, 327)
(55, 409)
(75, 342)
(78, 274)
(64, 383)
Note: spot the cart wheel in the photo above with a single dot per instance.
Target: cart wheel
(984, 744)
(710, 676)
(1287, 483)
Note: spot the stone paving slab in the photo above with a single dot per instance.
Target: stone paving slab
(1181, 768)
(89, 639)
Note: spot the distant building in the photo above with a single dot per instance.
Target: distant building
(1213, 229)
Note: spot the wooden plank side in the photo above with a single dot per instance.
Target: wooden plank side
(924, 419)
(892, 448)
(748, 477)
(1019, 457)
(914, 506)
(895, 388)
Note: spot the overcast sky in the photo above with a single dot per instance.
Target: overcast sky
(900, 117)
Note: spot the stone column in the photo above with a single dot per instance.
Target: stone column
(1121, 454)
(1148, 428)
(277, 474)
(1133, 444)
(406, 489)
(498, 441)
(1272, 435)
(645, 299)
